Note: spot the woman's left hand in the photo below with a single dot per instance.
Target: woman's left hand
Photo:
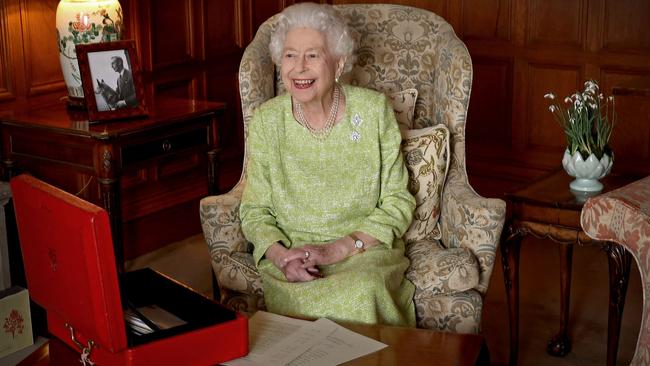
(295, 272)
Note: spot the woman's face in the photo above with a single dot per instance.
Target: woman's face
(308, 70)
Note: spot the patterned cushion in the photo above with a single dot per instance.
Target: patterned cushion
(426, 152)
(437, 270)
(403, 103)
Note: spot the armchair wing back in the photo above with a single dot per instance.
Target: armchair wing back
(398, 47)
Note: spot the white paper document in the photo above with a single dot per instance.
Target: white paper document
(277, 340)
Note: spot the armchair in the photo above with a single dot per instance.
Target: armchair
(623, 216)
(398, 47)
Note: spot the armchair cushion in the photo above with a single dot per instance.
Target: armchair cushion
(403, 103)
(426, 152)
(436, 270)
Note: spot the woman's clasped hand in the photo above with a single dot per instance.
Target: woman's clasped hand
(293, 263)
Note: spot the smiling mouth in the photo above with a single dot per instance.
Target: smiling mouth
(303, 84)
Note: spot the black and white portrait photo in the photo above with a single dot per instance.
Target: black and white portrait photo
(112, 77)
(111, 80)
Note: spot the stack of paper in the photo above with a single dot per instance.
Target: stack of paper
(277, 340)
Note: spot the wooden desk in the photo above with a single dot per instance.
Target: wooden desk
(406, 346)
(547, 209)
(148, 173)
(411, 346)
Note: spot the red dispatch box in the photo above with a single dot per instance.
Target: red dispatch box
(146, 319)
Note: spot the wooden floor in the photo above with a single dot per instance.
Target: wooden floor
(539, 304)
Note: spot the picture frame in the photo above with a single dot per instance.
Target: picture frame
(111, 80)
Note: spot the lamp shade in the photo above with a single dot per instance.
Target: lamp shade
(81, 22)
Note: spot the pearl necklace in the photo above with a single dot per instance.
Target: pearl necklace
(322, 133)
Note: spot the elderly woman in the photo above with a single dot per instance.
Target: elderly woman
(326, 200)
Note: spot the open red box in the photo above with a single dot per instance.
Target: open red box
(71, 272)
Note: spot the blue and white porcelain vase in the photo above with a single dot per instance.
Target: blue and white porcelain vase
(587, 172)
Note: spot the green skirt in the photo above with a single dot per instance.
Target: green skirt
(368, 287)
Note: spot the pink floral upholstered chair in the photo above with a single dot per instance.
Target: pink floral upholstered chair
(623, 216)
(414, 57)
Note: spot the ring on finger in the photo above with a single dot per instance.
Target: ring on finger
(307, 255)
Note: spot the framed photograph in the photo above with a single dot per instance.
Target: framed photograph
(111, 80)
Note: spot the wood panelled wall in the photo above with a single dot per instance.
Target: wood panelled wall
(524, 49)
(521, 49)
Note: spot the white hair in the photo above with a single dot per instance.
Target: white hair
(321, 17)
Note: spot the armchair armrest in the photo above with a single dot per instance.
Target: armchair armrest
(221, 224)
(239, 281)
(623, 216)
(472, 221)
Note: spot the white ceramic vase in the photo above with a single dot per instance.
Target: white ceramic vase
(82, 22)
(587, 172)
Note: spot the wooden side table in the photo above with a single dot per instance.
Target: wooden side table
(548, 209)
(148, 173)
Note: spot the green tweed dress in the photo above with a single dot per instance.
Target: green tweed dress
(301, 190)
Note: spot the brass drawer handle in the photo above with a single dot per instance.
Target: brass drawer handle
(166, 145)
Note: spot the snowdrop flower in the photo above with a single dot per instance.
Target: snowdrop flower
(577, 104)
(587, 122)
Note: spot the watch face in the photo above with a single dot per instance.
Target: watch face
(358, 244)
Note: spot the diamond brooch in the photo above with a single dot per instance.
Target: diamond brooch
(356, 122)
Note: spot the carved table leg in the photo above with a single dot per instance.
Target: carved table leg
(213, 158)
(560, 344)
(8, 169)
(510, 261)
(109, 187)
(619, 273)
(213, 172)
(109, 191)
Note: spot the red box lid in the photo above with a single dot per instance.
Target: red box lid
(81, 266)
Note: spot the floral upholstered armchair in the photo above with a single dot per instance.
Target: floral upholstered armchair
(623, 216)
(452, 258)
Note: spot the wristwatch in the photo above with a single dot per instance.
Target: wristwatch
(358, 243)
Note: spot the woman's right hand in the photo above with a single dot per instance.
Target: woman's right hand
(290, 262)
(281, 256)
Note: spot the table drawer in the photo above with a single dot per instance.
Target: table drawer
(165, 145)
